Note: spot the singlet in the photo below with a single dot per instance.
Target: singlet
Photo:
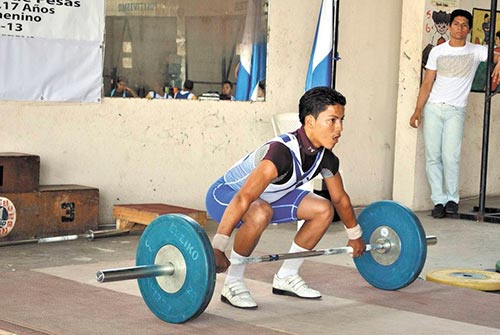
(295, 158)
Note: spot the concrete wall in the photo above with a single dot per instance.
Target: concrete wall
(170, 151)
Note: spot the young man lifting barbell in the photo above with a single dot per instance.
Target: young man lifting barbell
(263, 187)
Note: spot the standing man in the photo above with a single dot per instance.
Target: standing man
(263, 187)
(442, 98)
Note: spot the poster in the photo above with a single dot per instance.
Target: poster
(51, 50)
(481, 26)
(480, 31)
(437, 18)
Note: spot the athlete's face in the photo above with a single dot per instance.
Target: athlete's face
(326, 129)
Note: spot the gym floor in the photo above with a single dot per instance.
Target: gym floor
(51, 289)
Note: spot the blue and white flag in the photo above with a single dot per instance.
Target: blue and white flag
(319, 72)
(252, 67)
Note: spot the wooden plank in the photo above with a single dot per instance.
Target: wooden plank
(145, 213)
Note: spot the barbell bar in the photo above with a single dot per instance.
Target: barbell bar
(89, 235)
(175, 264)
(168, 269)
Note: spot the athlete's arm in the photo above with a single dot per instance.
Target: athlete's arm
(342, 203)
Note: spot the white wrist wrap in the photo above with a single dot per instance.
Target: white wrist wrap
(220, 242)
(354, 233)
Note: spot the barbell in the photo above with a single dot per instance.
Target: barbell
(175, 264)
(89, 235)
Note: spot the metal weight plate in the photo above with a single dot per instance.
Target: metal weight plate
(177, 239)
(402, 263)
(7, 216)
(474, 279)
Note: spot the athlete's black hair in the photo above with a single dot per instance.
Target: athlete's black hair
(316, 100)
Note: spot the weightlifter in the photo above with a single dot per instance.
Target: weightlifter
(263, 187)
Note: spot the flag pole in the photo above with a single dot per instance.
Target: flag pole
(335, 57)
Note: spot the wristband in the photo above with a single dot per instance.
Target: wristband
(354, 233)
(220, 242)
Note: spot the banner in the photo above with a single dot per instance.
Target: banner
(252, 67)
(51, 50)
(319, 72)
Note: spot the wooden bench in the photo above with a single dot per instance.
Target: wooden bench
(127, 216)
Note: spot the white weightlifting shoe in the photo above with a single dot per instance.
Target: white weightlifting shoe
(294, 286)
(236, 294)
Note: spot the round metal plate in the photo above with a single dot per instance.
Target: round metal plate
(474, 279)
(170, 254)
(7, 216)
(167, 302)
(408, 264)
(386, 256)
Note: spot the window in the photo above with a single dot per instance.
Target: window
(157, 45)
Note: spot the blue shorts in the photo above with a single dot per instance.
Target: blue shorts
(284, 210)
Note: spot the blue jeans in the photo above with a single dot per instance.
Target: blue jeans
(443, 132)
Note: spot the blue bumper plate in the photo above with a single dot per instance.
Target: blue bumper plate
(189, 290)
(402, 263)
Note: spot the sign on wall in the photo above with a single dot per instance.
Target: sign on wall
(51, 50)
(480, 33)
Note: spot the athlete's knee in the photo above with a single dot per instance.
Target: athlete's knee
(260, 212)
(324, 211)
(316, 209)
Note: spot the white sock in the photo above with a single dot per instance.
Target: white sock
(237, 271)
(291, 267)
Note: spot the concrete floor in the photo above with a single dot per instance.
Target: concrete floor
(51, 289)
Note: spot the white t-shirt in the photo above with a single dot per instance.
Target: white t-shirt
(456, 67)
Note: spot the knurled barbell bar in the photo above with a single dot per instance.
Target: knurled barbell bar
(175, 265)
(168, 269)
(89, 235)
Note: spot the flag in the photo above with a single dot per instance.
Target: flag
(319, 72)
(252, 68)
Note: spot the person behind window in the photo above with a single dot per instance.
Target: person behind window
(121, 90)
(186, 93)
(226, 90)
(158, 92)
(261, 91)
